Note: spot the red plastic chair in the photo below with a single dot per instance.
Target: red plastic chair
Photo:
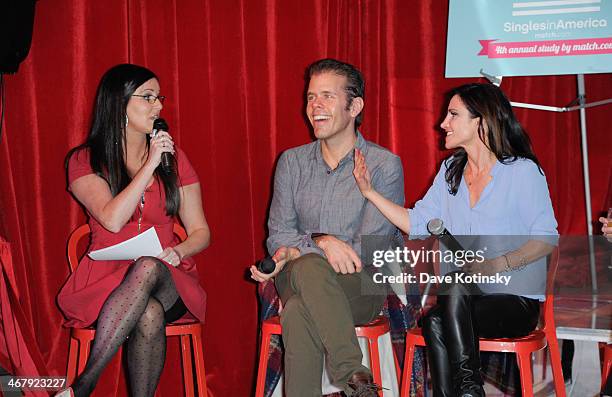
(81, 338)
(607, 364)
(523, 347)
(372, 331)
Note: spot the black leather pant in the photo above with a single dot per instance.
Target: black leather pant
(451, 330)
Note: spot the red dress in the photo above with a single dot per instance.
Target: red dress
(88, 287)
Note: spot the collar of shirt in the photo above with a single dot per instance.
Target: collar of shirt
(359, 144)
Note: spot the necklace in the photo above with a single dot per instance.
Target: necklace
(141, 206)
(473, 178)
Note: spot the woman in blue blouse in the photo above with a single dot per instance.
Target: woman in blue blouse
(492, 185)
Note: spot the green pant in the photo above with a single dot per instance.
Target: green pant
(320, 311)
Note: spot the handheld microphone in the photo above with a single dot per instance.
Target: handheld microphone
(266, 265)
(436, 228)
(166, 158)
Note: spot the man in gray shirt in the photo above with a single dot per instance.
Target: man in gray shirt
(317, 220)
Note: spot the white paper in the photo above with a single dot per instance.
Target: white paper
(145, 244)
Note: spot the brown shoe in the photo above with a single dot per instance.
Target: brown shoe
(361, 384)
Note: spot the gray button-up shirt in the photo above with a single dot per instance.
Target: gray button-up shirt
(310, 197)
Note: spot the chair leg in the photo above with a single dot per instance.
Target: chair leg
(524, 363)
(84, 346)
(407, 373)
(375, 362)
(199, 364)
(607, 363)
(544, 362)
(73, 359)
(398, 373)
(263, 364)
(555, 363)
(187, 368)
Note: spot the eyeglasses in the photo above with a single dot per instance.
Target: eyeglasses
(152, 98)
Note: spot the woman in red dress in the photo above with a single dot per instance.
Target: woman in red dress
(117, 176)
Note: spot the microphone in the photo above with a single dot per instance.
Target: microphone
(266, 265)
(436, 228)
(166, 158)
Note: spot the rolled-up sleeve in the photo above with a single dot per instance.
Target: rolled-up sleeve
(429, 207)
(535, 206)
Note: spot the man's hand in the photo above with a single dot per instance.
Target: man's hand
(281, 256)
(341, 256)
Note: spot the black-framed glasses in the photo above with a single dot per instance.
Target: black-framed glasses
(152, 98)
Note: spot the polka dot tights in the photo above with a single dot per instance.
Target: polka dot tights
(134, 312)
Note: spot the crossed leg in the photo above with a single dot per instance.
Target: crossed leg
(136, 309)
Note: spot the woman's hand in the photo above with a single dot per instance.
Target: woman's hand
(396, 214)
(171, 256)
(361, 173)
(606, 228)
(488, 267)
(161, 143)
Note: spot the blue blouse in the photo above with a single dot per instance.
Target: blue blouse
(514, 204)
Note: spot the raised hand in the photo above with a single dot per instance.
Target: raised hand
(362, 174)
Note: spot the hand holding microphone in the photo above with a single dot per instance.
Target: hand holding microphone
(265, 269)
(270, 266)
(266, 265)
(167, 160)
(436, 228)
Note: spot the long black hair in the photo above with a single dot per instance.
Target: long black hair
(106, 141)
(505, 136)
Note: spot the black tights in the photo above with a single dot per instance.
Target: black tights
(452, 327)
(135, 309)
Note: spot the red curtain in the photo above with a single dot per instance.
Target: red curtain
(233, 74)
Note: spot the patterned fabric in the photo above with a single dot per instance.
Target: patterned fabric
(401, 318)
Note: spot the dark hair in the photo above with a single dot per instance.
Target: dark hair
(355, 86)
(505, 136)
(106, 141)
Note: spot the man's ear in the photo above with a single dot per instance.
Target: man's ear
(356, 106)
